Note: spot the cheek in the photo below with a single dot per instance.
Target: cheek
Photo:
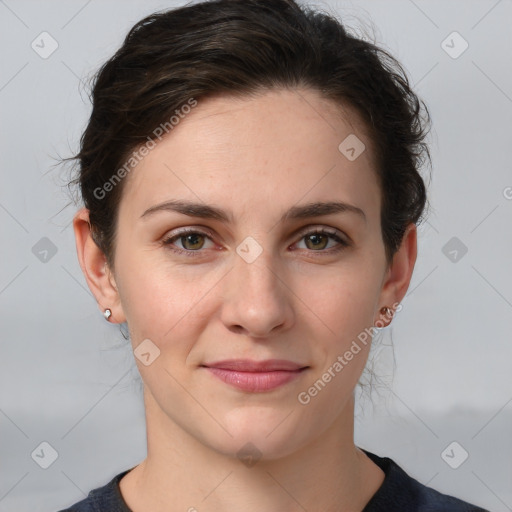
(341, 300)
(164, 302)
(339, 314)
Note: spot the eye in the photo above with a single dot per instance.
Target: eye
(192, 240)
(317, 240)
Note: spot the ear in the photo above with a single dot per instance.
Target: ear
(399, 274)
(93, 263)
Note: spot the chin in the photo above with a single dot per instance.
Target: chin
(259, 434)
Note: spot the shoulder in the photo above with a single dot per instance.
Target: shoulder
(403, 493)
(103, 499)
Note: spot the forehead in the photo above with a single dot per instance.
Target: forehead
(271, 148)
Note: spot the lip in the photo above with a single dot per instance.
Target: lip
(255, 376)
(248, 365)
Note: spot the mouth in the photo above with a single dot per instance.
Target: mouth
(256, 376)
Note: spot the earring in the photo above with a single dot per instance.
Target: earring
(384, 311)
(107, 314)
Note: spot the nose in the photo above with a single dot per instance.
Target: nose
(256, 300)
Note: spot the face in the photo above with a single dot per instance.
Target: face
(263, 279)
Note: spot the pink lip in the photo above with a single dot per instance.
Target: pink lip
(255, 376)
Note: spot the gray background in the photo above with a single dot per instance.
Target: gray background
(68, 378)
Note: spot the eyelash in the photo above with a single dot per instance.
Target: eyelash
(342, 244)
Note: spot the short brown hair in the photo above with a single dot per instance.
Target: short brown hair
(239, 47)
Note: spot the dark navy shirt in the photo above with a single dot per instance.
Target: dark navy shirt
(398, 493)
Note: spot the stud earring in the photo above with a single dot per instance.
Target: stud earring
(384, 311)
(107, 314)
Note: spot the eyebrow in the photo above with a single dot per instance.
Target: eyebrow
(205, 211)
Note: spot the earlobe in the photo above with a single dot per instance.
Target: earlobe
(95, 268)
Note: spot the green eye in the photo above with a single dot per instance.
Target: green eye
(193, 240)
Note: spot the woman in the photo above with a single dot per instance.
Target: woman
(251, 189)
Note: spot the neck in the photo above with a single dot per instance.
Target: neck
(330, 473)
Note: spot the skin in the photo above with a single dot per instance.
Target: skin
(256, 158)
